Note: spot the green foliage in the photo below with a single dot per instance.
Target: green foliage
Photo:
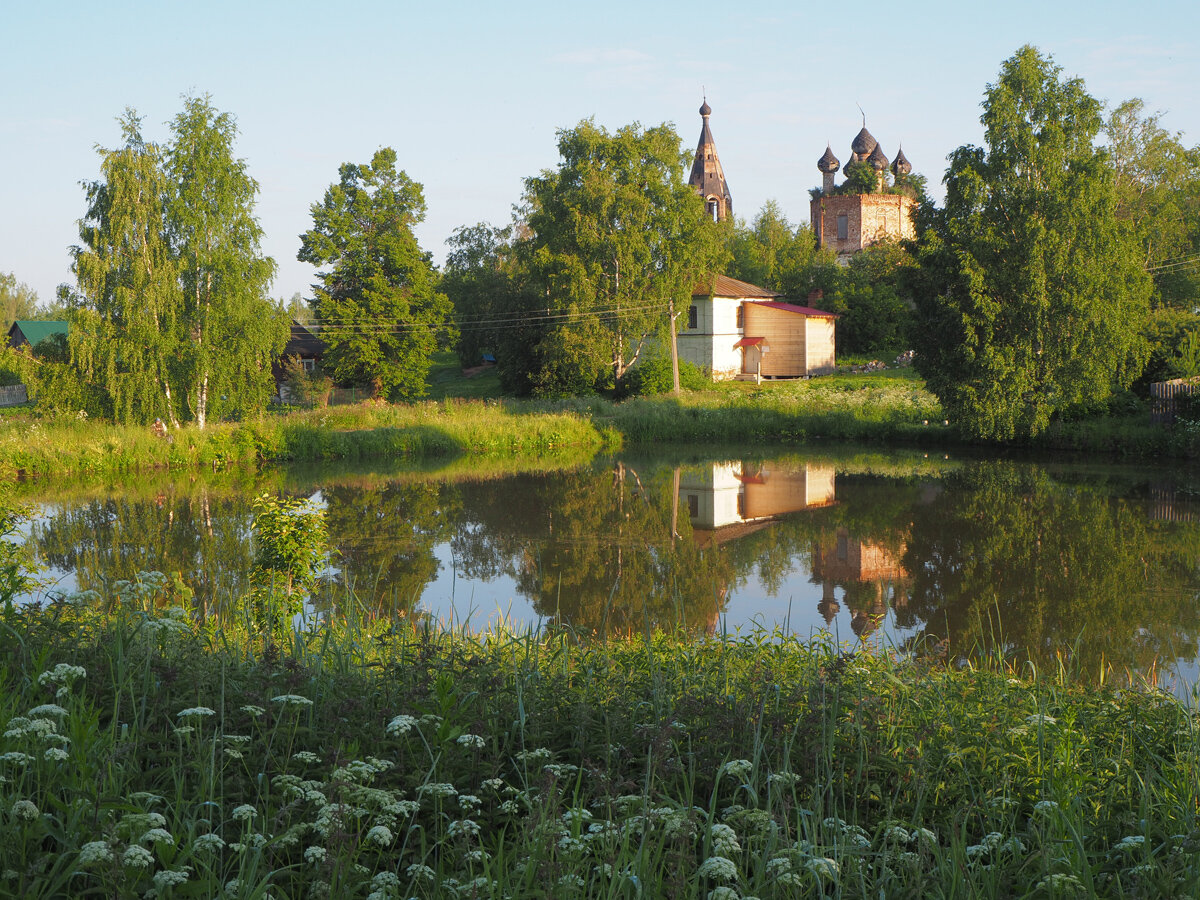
(304, 388)
(17, 301)
(172, 320)
(873, 297)
(1032, 296)
(16, 564)
(653, 376)
(231, 331)
(378, 303)
(860, 178)
(1157, 183)
(615, 235)
(774, 254)
(290, 542)
(480, 280)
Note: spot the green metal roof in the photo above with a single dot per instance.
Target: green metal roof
(37, 331)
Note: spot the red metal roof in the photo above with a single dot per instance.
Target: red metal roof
(724, 286)
(802, 310)
(748, 342)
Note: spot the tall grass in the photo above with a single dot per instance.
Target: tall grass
(147, 751)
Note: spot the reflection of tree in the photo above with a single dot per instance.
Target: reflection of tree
(384, 537)
(593, 550)
(1006, 555)
(204, 539)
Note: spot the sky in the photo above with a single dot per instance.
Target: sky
(471, 95)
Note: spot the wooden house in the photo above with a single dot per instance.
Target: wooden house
(739, 330)
(30, 333)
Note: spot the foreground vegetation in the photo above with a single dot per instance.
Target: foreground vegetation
(148, 752)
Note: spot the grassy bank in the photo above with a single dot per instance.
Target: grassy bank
(57, 447)
(881, 408)
(147, 754)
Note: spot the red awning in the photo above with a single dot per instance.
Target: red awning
(748, 342)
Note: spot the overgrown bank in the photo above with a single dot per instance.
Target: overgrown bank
(877, 408)
(145, 752)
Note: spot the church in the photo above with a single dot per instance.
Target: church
(739, 330)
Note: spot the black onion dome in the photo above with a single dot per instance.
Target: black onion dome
(706, 110)
(901, 165)
(828, 163)
(877, 159)
(863, 144)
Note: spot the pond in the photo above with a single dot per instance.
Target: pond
(1045, 562)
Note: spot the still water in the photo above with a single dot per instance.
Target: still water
(1038, 562)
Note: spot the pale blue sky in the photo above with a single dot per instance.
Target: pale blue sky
(470, 94)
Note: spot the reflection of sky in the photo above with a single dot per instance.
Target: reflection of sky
(481, 605)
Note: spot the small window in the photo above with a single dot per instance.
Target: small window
(693, 506)
(692, 316)
(309, 364)
(843, 226)
(741, 316)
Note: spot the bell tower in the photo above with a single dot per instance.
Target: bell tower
(707, 176)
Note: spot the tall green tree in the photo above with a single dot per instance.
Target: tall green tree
(1032, 295)
(772, 253)
(480, 280)
(17, 301)
(125, 335)
(616, 236)
(1157, 182)
(231, 330)
(172, 309)
(378, 302)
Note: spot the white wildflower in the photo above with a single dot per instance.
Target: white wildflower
(56, 754)
(243, 813)
(95, 852)
(157, 836)
(306, 756)
(416, 870)
(1131, 842)
(723, 893)
(24, 810)
(571, 881)
(737, 768)
(381, 835)
(436, 789)
(292, 700)
(16, 758)
(463, 828)
(208, 842)
(1040, 719)
(46, 709)
(314, 855)
(471, 741)
(401, 725)
(718, 868)
(923, 837)
(1045, 807)
(183, 730)
(136, 857)
(823, 867)
(171, 877)
(534, 755)
(724, 840)
(63, 673)
(252, 710)
(197, 711)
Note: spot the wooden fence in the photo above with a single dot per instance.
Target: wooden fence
(13, 395)
(1165, 395)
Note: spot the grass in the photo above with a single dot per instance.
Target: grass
(446, 379)
(149, 752)
(888, 407)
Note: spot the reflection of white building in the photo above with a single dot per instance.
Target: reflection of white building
(725, 495)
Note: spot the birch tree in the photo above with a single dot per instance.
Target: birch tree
(125, 335)
(231, 329)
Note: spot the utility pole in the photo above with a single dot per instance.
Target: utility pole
(671, 314)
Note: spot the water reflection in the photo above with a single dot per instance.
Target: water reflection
(986, 556)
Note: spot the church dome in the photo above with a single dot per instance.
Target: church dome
(877, 159)
(901, 165)
(828, 163)
(706, 110)
(863, 144)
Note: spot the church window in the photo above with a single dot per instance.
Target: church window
(692, 316)
(843, 227)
